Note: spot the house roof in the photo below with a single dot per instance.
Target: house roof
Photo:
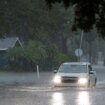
(8, 42)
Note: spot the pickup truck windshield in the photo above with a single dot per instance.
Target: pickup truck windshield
(67, 68)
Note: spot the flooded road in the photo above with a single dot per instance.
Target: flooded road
(64, 96)
(45, 94)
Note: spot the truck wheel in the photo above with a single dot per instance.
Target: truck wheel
(88, 85)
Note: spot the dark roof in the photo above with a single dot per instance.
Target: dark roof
(8, 42)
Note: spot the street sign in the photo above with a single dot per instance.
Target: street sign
(78, 52)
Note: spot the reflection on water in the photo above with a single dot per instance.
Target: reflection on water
(57, 99)
(83, 98)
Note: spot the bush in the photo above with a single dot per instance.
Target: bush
(61, 58)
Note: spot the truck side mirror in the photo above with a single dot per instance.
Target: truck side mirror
(55, 71)
(91, 72)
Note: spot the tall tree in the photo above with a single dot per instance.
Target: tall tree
(87, 13)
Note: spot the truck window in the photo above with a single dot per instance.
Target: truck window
(90, 68)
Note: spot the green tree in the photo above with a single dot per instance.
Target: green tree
(61, 58)
(34, 51)
(87, 13)
(27, 57)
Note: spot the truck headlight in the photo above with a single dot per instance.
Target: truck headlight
(57, 79)
(82, 81)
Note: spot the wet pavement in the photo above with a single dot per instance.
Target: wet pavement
(45, 78)
(26, 79)
(62, 96)
(41, 92)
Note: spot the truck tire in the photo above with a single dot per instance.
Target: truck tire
(88, 85)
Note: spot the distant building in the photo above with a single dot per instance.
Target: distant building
(5, 44)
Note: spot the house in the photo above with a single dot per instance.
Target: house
(5, 44)
(9, 42)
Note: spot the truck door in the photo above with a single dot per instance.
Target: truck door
(91, 75)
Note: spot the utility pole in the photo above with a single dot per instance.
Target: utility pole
(79, 52)
(81, 43)
(81, 39)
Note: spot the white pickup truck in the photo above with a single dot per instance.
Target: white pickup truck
(75, 74)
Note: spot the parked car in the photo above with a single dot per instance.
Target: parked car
(75, 74)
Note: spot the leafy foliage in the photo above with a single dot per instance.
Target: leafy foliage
(16, 52)
(87, 13)
(34, 51)
(45, 32)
